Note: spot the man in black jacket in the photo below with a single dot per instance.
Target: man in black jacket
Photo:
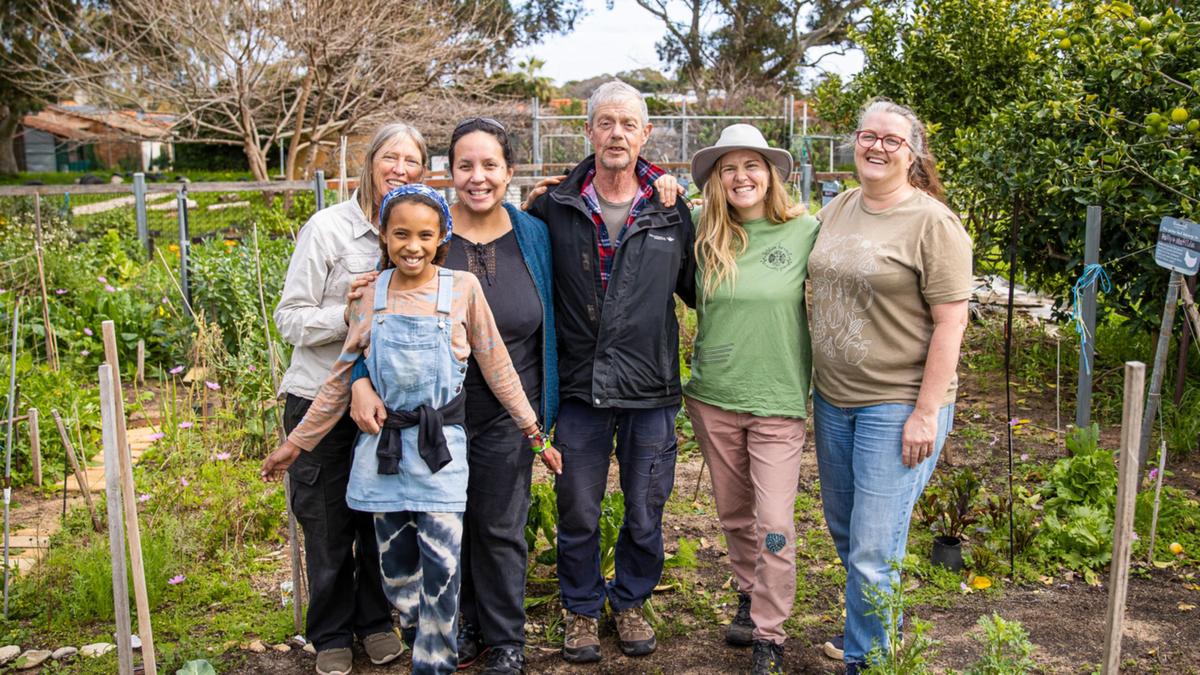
(619, 259)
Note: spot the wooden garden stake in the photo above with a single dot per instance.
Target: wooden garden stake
(1162, 468)
(1189, 308)
(116, 533)
(51, 346)
(12, 403)
(1118, 584)
(80, 478)
(1091, 256)
(141, 362)
(1160, 361)
(293, 534)
(35, 446)
(125, 465)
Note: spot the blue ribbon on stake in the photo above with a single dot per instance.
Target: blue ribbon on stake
(1092, 274)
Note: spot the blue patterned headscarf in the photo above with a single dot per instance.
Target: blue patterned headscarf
(424, 191)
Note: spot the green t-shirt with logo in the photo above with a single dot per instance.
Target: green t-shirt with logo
(752, 352)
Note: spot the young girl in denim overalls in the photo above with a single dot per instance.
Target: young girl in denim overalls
(416, 336)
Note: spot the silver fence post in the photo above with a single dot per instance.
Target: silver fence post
(184, 244)
(537, 134)
(139, 210)
(319, 188)
(1091, 256)
(806, 174)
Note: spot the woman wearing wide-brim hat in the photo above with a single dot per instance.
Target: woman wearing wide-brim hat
(752, 360)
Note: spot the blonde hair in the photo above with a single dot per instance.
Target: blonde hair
(368, 200)
(720, 236)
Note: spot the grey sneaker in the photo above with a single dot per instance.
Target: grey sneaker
(740, 631)
(338, 661)
(582, 643)
(635, 637)
(383, 647)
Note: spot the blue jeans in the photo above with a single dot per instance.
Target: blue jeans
(646, 456)
(868, 496)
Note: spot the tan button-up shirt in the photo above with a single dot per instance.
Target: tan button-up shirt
(334, 246)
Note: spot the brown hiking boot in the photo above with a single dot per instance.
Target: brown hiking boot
(582, 643)
(635, 636)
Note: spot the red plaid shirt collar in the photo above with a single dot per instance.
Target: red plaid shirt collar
(647, 173)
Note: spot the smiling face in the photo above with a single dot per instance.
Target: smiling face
(876, 166)
(397, 163)
(481, 176)
(617, 133)
(746, 177)
(412, 236)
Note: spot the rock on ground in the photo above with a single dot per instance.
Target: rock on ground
(32, 659)
(64, 653)
(97, 649)
(9, 653)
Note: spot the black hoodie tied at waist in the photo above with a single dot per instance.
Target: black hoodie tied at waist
(431, 436)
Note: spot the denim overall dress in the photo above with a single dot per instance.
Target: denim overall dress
(418, 513)
(411, 363)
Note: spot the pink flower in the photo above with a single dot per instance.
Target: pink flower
(1135, 537)
(164, 300)
(143, 498)
(1154, 473)
(176, 370)
(109, 288)
(1024, 457)
(252, 368)
(102, 279)
(84, 352)
(222, 456)
(176, 580)
(212, 385)
(1014, 422)
(155, 436)
(186, 425)
(88, 332)
(60, 291)
(184, 482)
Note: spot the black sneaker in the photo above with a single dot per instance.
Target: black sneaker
(740, 631)
(767, 659)
(470, 644)
(505, 661)
(835, 648)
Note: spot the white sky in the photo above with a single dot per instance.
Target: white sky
(607, 41)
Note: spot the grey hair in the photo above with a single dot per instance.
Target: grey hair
(614, 92)
(368, 201)
(923, 173)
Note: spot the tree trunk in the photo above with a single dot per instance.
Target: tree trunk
(257, 160)
(298, 128)
(8, 127)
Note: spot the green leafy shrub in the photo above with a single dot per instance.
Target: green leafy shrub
(1006, 648)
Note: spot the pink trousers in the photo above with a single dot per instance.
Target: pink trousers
(755, 467)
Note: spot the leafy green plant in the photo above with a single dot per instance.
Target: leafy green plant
(950, 506)
(900, 656)
(1006, 648)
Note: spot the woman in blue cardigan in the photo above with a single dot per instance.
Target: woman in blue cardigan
(509, 251)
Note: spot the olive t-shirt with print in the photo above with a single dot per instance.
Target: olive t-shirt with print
(874, 275)
(752, 352)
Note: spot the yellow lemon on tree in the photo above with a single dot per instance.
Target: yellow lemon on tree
(1179, 115)
(1176, 548)
(1145, 25)
(1064, 43)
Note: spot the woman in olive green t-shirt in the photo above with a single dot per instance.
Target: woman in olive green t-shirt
(748, 393)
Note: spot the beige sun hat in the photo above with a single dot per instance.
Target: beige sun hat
(738, 137)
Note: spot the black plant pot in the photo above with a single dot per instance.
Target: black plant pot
(947, 552)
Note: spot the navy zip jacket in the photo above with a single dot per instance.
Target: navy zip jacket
(620, 348)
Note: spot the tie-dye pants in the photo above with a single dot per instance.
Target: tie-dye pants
(419, 559)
